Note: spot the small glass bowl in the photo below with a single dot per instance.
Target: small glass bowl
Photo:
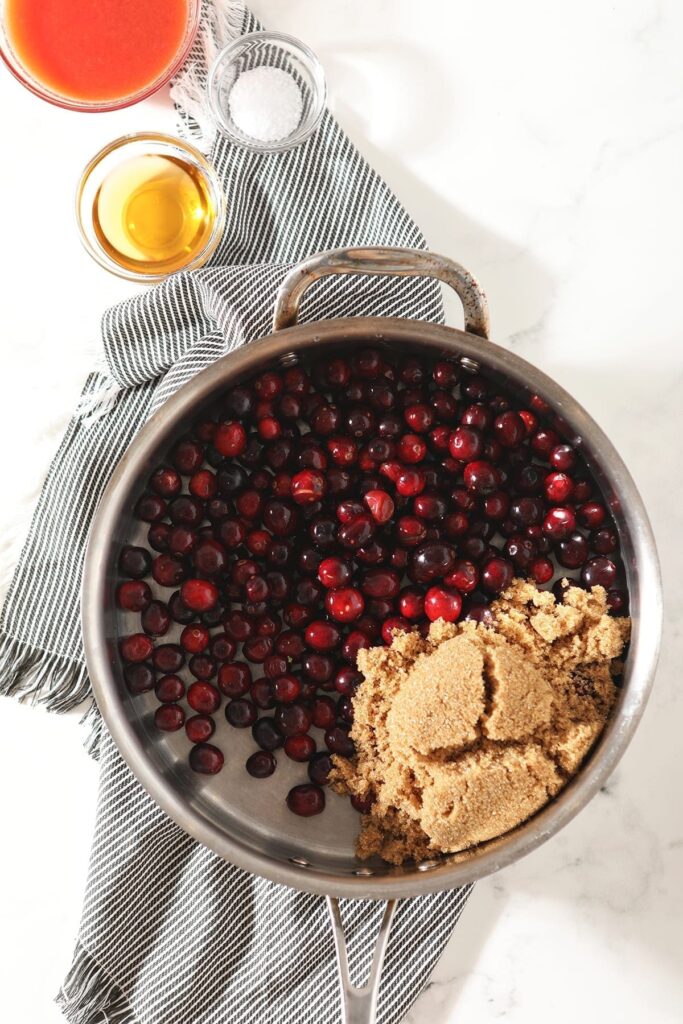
(275, 50)
(139, 144)
(40, 89)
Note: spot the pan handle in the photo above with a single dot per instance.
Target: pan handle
(382, 260)
(359, 1005)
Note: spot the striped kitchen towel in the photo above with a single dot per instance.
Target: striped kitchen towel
(170, 933)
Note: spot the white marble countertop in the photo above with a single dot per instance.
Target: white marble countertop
(542, 146)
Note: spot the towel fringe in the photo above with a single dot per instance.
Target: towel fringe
(90, 996)
(93, 725)
(41, 677)
(220, 23)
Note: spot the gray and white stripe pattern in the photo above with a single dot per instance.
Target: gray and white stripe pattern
(170, 933)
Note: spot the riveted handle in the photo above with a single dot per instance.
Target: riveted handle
(382, 260)
(359, 1005)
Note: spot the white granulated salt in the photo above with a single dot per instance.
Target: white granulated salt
(265, 103)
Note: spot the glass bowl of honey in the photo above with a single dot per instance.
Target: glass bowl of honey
(96, 56)
(149, 205)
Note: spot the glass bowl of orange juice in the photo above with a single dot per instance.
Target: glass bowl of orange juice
(93, 56)
(149, 205)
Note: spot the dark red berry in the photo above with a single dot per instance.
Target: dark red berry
(206, 759)
(306, 800)
(261, 764)
(199, 728)
(169, 717)
(203, 698)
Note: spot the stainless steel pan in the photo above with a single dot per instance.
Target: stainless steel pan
(245, 820)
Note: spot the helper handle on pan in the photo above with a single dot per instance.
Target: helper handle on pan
(382, 260)
(359, 1005)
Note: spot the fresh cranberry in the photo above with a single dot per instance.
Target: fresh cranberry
(136, 648)
(334, 572)
(159, 536)
(169, 717)
(396, 623)
(562, 458)
(307, 486)
(150, 508)
(133, 596)
(380, 504)
(206, 759)
(306, 800)
(572, 552)
(168, 658)
(343, 450)
(231, 533)
(541, 570)
(353, 643)
(357, 533)
(199, 728)
(410, 531)
(202, 667)
(544, 440)
(591, 514)
(170, 689)
(178, 610)
(286, 689)
(464, 576)
(230, 439)
(466, 444)
(317, 667)
(186, 511)
(480, 613)
(166, 482)
(617, 602)
(257, 648)
(558, 487)
(527, 511)
(410, 482)
(382, 583)
(241, 713)
(155, 619)
(497, 575)
(203, 485)
(187, 457)
(440, 603)
(195, 638)
(411, 604)
(319, 768)
(199, 595)
(338, 741)
(605, 541)
(292, 719)
(139, 678)
(432, 561)
(559, 523)
(419, 417)
(599, 572)
(261, 764)
(300, 747)
(344, 604)
(481, 477)
(322, 636)
(497, 505)
(203, 698)
(509, 429)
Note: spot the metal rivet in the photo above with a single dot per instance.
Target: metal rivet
(363, 872)
(289, 359)
(300, 862)
(469, 364)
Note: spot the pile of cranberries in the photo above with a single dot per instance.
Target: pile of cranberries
(321, 508)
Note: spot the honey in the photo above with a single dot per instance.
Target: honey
(153, 213)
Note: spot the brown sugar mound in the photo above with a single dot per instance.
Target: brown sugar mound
(463, 735)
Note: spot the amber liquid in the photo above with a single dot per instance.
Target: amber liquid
(153, 214)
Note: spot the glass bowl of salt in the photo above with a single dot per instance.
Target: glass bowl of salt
(267, 91)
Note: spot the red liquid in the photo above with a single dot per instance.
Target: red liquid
(97, 50)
